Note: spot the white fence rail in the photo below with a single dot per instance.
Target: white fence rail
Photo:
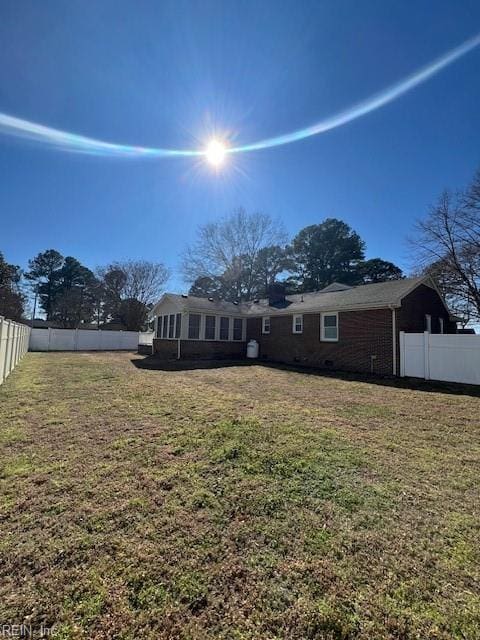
(448, 357)
(83, 340)
(13, 345)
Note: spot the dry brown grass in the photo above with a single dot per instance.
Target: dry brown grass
(235, 503)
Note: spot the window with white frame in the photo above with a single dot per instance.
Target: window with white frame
(159, 327)
(329, 327)
(165, 327)
(171, 326)
(428, 323)
(237, 328)
(266, 324)
(178, 325)
(297, 326)
(210, 322)
(224, 328)
(194, 326)
(442, 325)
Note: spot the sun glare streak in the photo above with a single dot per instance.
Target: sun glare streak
(216, 151)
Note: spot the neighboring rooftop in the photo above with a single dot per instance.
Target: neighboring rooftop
(335, 297)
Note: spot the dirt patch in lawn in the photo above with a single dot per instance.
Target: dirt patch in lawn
(235, 502)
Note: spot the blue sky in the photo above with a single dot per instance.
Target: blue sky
(171, 74)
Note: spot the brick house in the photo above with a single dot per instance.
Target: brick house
(340, 327)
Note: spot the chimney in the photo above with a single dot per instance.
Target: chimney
(276, 294)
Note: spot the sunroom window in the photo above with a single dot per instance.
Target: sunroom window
(237, 328)
(165, 327)
(224, 328)
(210, 327)
(194, 326)
(171, 325)
(178, 325)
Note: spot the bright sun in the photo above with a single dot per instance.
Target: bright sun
(215, 153)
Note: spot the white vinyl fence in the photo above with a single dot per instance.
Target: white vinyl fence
(448, 357)
(83, 340)
(13, 345)
(146, 337)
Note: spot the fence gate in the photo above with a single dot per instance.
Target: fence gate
(448, 357)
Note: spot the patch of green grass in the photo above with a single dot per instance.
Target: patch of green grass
(20, 465)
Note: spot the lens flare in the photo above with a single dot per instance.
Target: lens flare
(216, 151)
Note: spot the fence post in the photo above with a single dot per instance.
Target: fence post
(2, 361)
(402, 354)
(9, 351)
(13, 359)
(17, 350)
(49, 337)
(426, 354)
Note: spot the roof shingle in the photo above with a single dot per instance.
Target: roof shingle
(381, 294)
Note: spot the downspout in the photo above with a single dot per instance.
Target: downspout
(394, 340)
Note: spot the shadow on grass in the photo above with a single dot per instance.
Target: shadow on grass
(154, 363)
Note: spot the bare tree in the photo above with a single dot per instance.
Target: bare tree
(145, 280)
(131, 287)
(448, 246)
(229, 249)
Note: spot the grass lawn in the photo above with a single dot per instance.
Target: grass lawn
(235, 503)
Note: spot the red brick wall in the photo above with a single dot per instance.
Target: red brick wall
(361, 335)
(423, 300)
(199, 349)
(411, 315)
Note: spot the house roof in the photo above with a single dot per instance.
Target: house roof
(367, 296)
(335, 297)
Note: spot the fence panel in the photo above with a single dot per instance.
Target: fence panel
(13, 345)
(82, 340)
(146, 337)
(88, 340)
(62, 340)
(447, 357)
(455, 358)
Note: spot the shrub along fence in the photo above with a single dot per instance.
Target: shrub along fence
(14, 339)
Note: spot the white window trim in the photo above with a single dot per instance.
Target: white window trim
(171, 326)
(294, 323)
(264, 330)
(428, 323)
(322, 327)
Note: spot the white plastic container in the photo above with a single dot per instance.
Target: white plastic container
(252, 349)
